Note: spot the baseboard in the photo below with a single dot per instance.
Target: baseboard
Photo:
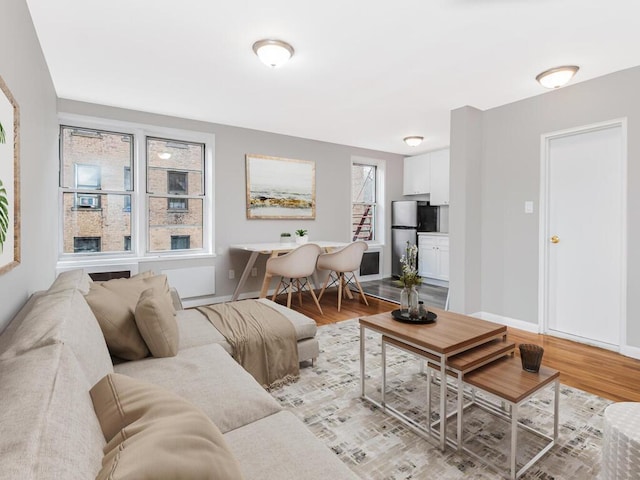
(629, 351)
(198, 301)
(509, 322)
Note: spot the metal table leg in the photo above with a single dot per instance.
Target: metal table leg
(443, 403)
(362, 336)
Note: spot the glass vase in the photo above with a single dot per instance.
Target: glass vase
(413, 306)
(404, 301)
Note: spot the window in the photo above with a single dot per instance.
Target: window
(93, 189)
(86, 244)
(175, 191)
(180, 242)
(363, 201)
(116, 205)
(177, 184)
(87, 178)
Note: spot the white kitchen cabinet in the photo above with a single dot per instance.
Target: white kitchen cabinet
(433, 256)
(428, 173)
(417, 174)
(439, 173)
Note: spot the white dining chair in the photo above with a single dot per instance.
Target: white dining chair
(342, 265)
(294, 269)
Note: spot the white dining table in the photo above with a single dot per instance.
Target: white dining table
(273, 249)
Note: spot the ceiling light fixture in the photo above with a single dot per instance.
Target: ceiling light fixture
(413, 141)
(273, 53)
(557, 77)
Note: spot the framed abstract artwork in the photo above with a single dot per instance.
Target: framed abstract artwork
(280, 188)
(9, 180)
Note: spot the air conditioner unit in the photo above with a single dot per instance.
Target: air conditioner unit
(87, 201)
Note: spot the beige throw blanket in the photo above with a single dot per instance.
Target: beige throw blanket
(263, 340)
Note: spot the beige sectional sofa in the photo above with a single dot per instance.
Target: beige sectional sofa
(53, 352)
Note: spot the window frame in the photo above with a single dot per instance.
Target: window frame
(139, 198)
(379, 217)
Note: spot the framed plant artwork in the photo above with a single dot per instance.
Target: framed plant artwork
(9, 180)
(280, 188)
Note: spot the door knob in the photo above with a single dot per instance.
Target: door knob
(555, 239)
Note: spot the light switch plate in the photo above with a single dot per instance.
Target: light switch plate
(528, 206)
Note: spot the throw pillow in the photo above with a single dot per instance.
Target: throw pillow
(114, 303)
(157, 323)
(154, 434)
(77, 279)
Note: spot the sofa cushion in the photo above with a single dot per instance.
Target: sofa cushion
(155, 434)
(209, 378)
(114, 302)
(73, 279)
(156, 321)
(49, 428)
(196, 330)
(293, 451)
(60, 317)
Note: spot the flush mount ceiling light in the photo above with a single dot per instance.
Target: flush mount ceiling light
(273, 53)
(557, 77)
(413, 141)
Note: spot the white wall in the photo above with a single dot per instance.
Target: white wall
(465, 204)
(23, 68)
(510, 174)
(333, 187)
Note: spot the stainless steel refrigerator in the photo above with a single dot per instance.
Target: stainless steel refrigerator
(404, 228)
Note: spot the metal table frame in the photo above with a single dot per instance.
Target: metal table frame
(511, 414)
(442, 366)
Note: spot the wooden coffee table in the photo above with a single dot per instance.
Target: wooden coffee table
(450, 335)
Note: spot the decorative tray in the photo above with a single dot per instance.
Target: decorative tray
(430, 317)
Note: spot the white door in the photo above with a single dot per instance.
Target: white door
(585, 235)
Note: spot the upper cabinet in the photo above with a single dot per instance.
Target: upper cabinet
(428, 173)
(440, 177)
(417, 176)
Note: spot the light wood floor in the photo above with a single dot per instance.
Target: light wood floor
(595, 370)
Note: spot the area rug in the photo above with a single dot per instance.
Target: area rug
(377, 446)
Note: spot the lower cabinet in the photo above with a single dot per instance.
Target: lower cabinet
(433, 256)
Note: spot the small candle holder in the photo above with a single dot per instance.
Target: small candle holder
(531, 357)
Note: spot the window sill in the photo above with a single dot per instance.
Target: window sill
(95, 260)
(175, 256)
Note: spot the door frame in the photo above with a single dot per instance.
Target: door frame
(544, 233)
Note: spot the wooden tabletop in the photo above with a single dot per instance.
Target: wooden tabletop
(450, 333)
(506, 379)
(269, 247)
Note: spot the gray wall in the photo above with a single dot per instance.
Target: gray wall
(510, 174)
(23, 68)
(333, 187)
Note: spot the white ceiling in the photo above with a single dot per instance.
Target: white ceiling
(365, 73)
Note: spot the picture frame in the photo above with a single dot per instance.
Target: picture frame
(9, 180)
(280, 188)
